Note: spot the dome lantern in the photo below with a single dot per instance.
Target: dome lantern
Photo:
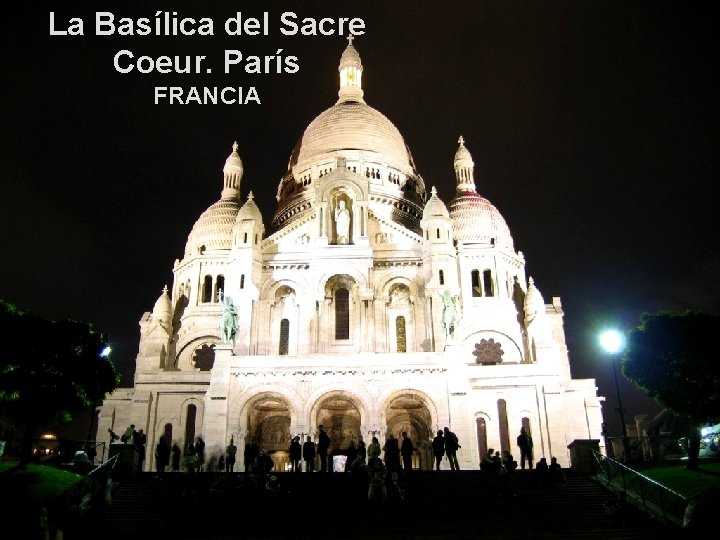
(350, 69)
(232, 174)
(464, 168)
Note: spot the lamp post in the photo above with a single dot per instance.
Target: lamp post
(612, 342)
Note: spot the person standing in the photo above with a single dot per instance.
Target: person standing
(200, 451)
(451, 447)
(309, 453)
(295, 454)
(406, 451)
(525, 443)
(438, 446)
(139, 439)
(392, 454)
(322, 449)
(176, 452)
(162, 455)
(230, 453)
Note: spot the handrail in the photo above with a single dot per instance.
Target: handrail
(646, 493)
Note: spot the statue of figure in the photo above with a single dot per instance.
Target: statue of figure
(229, 320)
(450, 315)
(342, 223)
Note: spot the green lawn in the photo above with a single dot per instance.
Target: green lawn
(684, 481)
(36, 482)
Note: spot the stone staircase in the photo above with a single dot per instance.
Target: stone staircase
(436, 505)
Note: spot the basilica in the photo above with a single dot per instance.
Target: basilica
(368, 306)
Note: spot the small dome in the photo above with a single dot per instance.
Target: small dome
(434, 207)
(233, 164)
(463, 159)
(249, 210)
(477, 221)
(534, 301)
(352, 125)
(163, 307)
(350, 57)
(213, 230)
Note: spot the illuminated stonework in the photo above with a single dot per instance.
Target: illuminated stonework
(340, 311)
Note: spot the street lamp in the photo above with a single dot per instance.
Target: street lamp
(612, 342)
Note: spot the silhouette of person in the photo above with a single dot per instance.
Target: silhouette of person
(322, 449)
(406, 450)
(556, 473)
(392, 454)
(373, 450)
(139, 439)
(295, 454)
(351, 453)
(162, 455)
(200, 451)
(451, 447)
(176, 452)
(309, 453)
(525, 443)
(542, 470)
(438, 446)
(230, 453)
(377, 489)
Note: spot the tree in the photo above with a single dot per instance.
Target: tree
(670, 357)
(50, 370)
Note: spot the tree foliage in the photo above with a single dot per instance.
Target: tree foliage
(670, 356)
(50, 369)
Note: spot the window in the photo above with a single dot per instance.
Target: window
(437, 233)
(441, 277)
(481, 428)
(244, 238)
(342, 314)
(503, 419)
(400, 334)
(488, 288)
(475, 279)
(284, 336)
(190, 416)
(242, 281)
(207, 289)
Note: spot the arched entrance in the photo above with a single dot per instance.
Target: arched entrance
(408, 412)
(269, 426)
(340, 418)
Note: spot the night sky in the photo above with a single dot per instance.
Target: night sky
(593, 127)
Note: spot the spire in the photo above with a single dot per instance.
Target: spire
(232, 174)
(350, 69)
(464, 167)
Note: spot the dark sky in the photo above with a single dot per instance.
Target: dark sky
(593, 126)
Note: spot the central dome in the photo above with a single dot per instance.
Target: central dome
(352, 125)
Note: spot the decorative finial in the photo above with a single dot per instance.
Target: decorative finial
(165, 289)
(433, 191)
(350, 39)
(251, 196)
(531, 281)
(461, 140)
(235, 146)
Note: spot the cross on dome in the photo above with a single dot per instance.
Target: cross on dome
(235, 146)
(461, 140)
(350, 39)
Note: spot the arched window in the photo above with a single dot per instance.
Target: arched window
(342, 314)
(284, 336)
(503, 420)
(481, 429)
(400, 334)
(475, 282)
(488, 288)
(190, 417)
(219, 286)
(207, 289)
(168, 433)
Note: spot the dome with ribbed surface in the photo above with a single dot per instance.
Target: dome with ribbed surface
(213, 230)
(477, 221)
(162, 311)
(351, 125)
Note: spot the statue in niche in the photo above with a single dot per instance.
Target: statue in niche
(450, 315)
(342, 223)
(229, 321)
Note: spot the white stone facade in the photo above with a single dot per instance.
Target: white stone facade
(420, 318)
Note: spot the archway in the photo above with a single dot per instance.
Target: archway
(269, 427)
(408, 412)
(340, 417)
